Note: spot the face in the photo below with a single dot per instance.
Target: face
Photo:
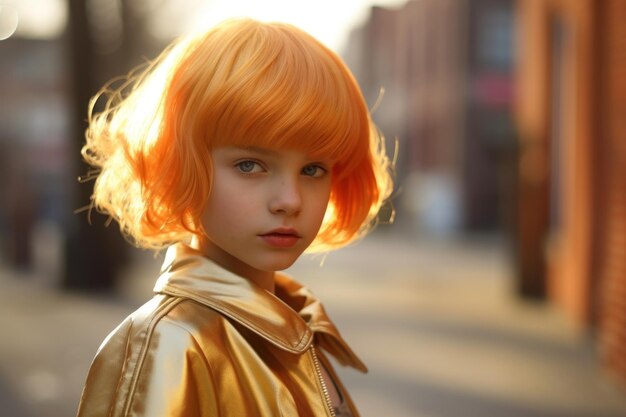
(265, 208)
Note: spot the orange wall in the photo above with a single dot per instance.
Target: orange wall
(611, 219)
(583, 260)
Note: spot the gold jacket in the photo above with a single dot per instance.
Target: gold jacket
(211, 343)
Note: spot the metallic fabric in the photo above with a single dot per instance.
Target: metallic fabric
(211, 343)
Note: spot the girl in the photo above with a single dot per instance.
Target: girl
(238, 148)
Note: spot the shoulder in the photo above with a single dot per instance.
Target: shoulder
(149, 353)
(166, 322)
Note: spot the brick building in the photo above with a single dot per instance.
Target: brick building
(532, 135)
(446, 67)
(572, 179)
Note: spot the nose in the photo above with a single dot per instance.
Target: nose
(286, 197)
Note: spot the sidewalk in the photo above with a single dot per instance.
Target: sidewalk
(436, 323)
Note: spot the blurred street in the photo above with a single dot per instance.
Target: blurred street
(506, 120)
(436, 322)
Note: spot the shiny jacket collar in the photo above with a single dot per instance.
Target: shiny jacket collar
(288, 320)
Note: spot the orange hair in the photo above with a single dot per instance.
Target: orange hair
(243, 83)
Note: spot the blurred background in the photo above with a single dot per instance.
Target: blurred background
(499, 289)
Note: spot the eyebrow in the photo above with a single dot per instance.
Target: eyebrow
(257, 149)
(268, 152)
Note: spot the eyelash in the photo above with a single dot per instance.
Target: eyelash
(320, 170)
(248, 161)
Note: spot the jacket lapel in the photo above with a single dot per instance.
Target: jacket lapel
(288, 319)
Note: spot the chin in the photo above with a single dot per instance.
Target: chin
(281, 264)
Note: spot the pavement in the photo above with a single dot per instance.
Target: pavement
(437, 322)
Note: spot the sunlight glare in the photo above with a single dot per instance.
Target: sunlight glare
(8, 21)
(37, 19)
(328, 20)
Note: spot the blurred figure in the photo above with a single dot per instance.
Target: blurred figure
(20, 205)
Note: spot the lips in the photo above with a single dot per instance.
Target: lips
(281, 238)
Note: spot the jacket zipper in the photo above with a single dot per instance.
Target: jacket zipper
(318, 370)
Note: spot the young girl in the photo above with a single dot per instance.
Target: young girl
(239, 148)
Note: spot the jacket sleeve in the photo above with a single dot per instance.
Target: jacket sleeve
(141, 371)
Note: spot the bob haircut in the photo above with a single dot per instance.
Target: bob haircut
(243, 83)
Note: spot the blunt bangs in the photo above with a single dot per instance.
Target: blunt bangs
(277, 87)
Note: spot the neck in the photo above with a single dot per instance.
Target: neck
(263, 279)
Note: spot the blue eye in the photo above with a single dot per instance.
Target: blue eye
(248, 167)
(313, 171)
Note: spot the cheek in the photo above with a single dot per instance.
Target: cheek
(228, 206)
(319, 203)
